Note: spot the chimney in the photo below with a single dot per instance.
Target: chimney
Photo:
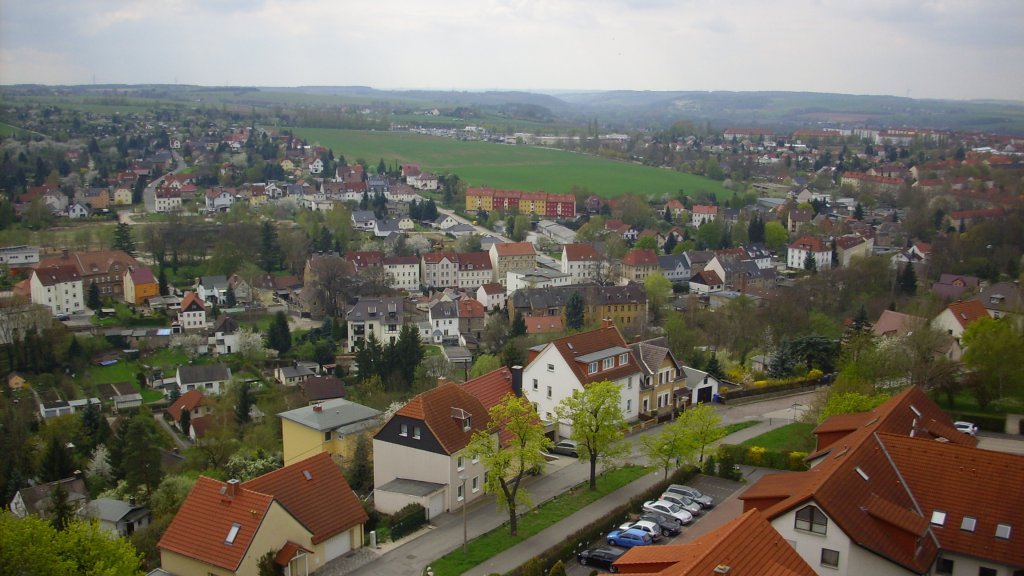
(318, 407)
(232, 488)
(607, 323)
(517, 380)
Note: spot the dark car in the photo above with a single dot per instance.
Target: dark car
(669, 526)
(600, 557)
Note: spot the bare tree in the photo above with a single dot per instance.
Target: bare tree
(330, 282)
(17, 316)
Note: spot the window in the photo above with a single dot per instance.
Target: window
(476, 458)
(647, 404)
(629, 406)
(551, 367)
(549, 391)
(460, 463)
(459, 493)
(608, 363)
(1003, 531)
(938, 518)
(830, 558)
(327, 436)
(416, 432)
(535, 384)
(404, 430)
(629, 383)
(476, 484)
(986, 571)
(592, 367)
(623, 359)
(811, 519)
(232, 533)
(943, 566)
(968, 523)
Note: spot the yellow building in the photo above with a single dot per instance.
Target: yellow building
(332, 426)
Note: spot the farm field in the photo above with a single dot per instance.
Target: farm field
(511, 167)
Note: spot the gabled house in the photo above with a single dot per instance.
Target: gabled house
(321, 388)
(491, 295)
(292, 375)
(443, 316)
(226, 335)
(558, 369)
(819, 250)
(305, 512)
(474, 269)
(580, 261)
(883, 496)
(60, 288)
(472, 317)
(852, 246)
(896, 324)
(702, 214)
(382, 317)
(332, 426)
(207, 378)
(140, 285)
(675, 267)
(37, 500)
(121, 519)
(958, 316)
(420, 453)
(193, 402)
(700, 386)
(219, 200)
(510, 256)
(706, 282)
(405, 272)
(953, 286)
(624, 305)
(440, 269)
(1002, 299)
(213, 289)
(192, 315)
(639, 263)
(662, 387)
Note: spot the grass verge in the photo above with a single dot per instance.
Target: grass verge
(796, 437)
(737, 426)
(498, 540)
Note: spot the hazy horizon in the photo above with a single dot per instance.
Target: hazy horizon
(943, 49)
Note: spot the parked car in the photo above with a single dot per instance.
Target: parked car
(651, 528)
(566, 448)
(669, 525)
(693, 494)
(629, 538)
(683, 502)
(668, 509)
(966, 427)
(601, 557)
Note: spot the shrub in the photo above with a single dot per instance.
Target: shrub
(814, 374)
(709, 465)
(755, 455)
(407, 520)
(558, 569)
(727, 463)
(796, 460)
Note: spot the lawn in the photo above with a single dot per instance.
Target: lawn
(125, 371)
(512, 167)
(796, 437)
(499, 540)
(737, 426)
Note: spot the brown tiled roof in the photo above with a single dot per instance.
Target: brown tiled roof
(474, 261)
(493, 288)
(706, 277)
(515, 249)
(201, 526)
(470, 308)
(542, 324)
(434, 408)
(810, 243)
(322, 388)
(190, 299)
(316, 493)
(580, 252)
(53, 275)
(966, 482)
(641, 257)
(748, 545)
(967, 311)
(576, 345)
(843, 423)
(397, 260)
(187, 401)
(100, 262)
(490, 388)
(897, 323)
(435, 257)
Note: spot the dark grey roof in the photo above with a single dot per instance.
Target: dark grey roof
(673, 261)
(593, 294)
(37, 498)
(211, 282)
(411, 487)
(203, 373)
(380, 309)
(363, 216)
(444, 309)
(334, 414)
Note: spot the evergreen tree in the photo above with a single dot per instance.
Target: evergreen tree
(670, 243)
(244, 403)
(270, 249)
(860, 321)
(714, 368)
(123, 238)
(61, 511)
(279, 337)
(185, 421)
(858, 212)
(139, 460)
(364, 202)
(229, 297)
(574, 312)
(57, 462)
(908, 280)
(93, 300)
(810, 264)
(164, 290)
(382, 168)
(518, 326)
(360, 474)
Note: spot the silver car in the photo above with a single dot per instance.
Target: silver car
(693, 494)
(683, 502)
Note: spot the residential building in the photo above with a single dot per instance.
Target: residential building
(558, 369)
(192, 401)
(675, 267)
(405, 272)
(213, 289)
(581, 262)
(639, 263)
(207, 378)
(491, 295)
(883, 497)
(700, 386)
(819, 250)
(557, 206)
(705, 282)
(474, 269)
(192, 315)
(440, 269)
(332, 426)
(140, 285)
(381, 317)
(292, 375)
(226, 335)
(121, 519)
(305, 512)
(958, 316)
(544, 324)
(472, 317)
(741, 274)
(167, 199)
(897, 324)
(661, 381)
(64, 407)
(443, 316)
(17, 257)
(321, 388)
(105, 268)
(537, 278)
(953, 286)
(625, 305)
(1002, 299)
(702, 214)
(59, 288)
(37, 500)
(509, 256)
(852, 246)
(420, 453)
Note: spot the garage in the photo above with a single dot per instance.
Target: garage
(398, 493)
(705, 393)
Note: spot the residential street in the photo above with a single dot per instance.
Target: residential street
(445, 534)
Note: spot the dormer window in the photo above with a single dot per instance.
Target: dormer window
(609, 363)
(1003, 531)
(233, 533)
(623, 359)
(938, 518)
(592, 368)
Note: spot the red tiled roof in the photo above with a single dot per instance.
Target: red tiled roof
(748, 545)
(967, 311)
(316, 493)
(470, 308)
(53, 275)
(490, 388)
(435, 257)
(704, 209)
(543, 324)
(201, 526)
(474, 261)
(493, 288)
(576, 345)
(434, 408)
(515, 249)
(641, 257)
(190, 299)
(187, 401)
(578, 252)
(810, 243)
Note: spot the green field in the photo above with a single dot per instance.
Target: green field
(510, 167)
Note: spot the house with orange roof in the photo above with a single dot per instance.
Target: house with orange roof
(745, 546)
(306, 514)
(508, 256)
(702, 214)
(958, 316)
(105, 268)
(639, 263)
(558, 369)
(192, 315)
(581, 262)
(420, 456)
(885, 496)
(817, 248)
(192, 402)
(543, 324)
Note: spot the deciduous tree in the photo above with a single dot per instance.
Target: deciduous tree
(598, 424)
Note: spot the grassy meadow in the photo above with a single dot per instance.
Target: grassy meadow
(511, 167)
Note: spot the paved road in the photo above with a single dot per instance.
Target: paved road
(178, 440)
(149, 194)
(412, 556)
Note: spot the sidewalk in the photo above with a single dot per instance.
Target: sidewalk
(412, 556)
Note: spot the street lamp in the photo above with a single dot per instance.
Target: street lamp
(465, 499)
(793, 409)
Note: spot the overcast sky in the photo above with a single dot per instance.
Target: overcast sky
(957, 49)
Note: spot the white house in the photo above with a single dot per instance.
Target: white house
(566, 365)
(405, 272)
(58, 287)
(797, 254)
(491, 295)
(381, 317)
(702, 386)
(207, 378)
(581, 261)
(192, 315)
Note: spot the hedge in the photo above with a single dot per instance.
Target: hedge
(407, 520)
(758, 456)
(595, 531)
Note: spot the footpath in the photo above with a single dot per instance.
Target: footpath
(414, 553)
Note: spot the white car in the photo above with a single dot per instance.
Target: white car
(668, 509)
(683, 502)
(652, 529)
(966, 427)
